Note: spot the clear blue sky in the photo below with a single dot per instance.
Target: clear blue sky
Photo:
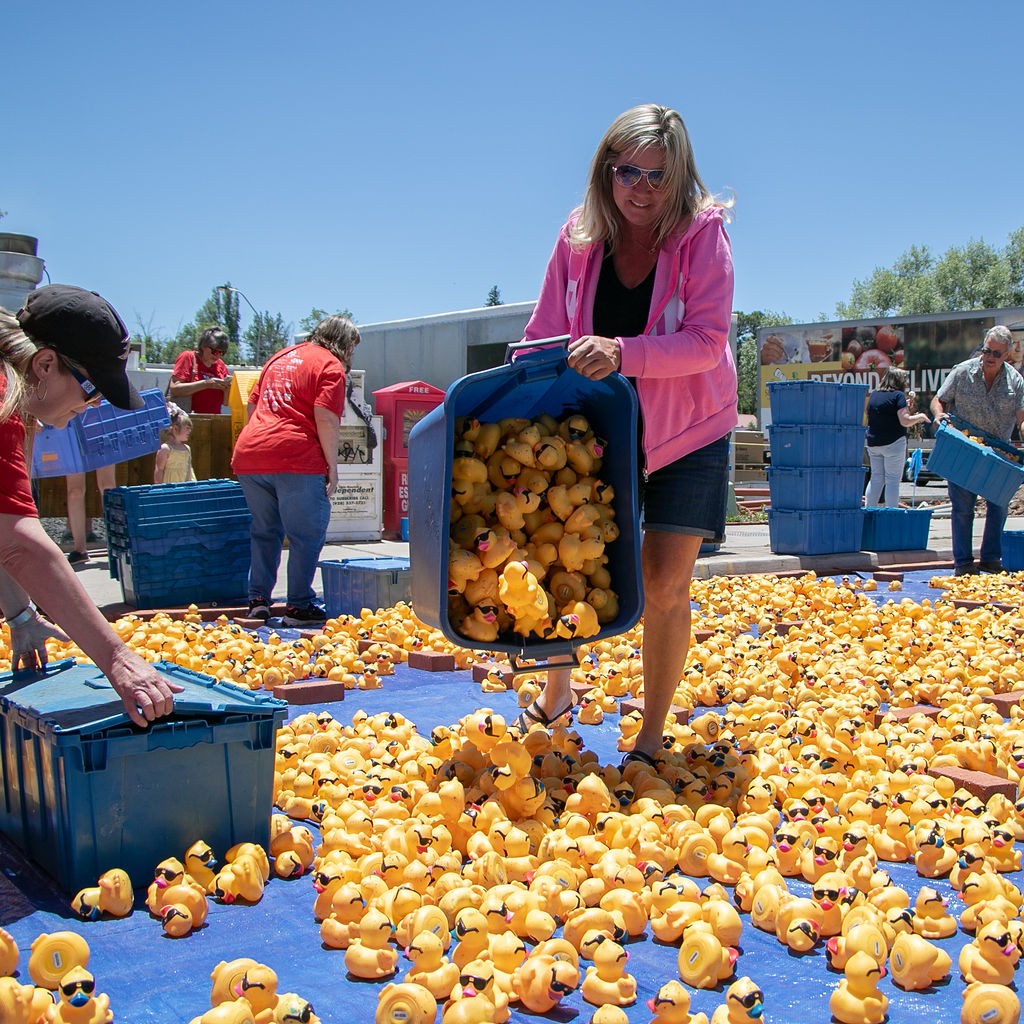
(399, 159)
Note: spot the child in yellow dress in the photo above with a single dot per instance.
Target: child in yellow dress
(174, 459)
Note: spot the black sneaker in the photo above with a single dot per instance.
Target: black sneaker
(77, 557)
(990, 566)
(259, 608)
(968, 569)
(295, 616)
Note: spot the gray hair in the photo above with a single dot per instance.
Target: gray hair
(1001, 334)
(648, 126)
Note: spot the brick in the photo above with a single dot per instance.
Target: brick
(677, 711)
(700, 635)
(483, 668)
(579, 689)
(782, 628)
(901, 715)
(887, 576)
(364, 645)
(311, 691)
(1006, 702)
(979, 784)
(431, 661)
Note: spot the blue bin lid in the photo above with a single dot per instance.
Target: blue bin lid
(380, 563)
(68, 697)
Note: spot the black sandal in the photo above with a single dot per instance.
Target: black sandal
(533, 714)
(638, 757)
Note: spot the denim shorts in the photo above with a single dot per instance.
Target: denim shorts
(689, 495)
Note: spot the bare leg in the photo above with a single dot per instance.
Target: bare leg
(667, 560)
(557, 694)
(76, 510)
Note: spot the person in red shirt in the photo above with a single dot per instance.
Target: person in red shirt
(286, 459)
(64, 350)
(200, 376)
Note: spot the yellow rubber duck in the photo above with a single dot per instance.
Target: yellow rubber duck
(112, 895)
(79, 1001)
(341, 927)
(258, 987)
(671, 1005)
(476, 988)
(744, 1004)
(200, 863)
(9, 954)
(542, 981)
(226, 978)
(184, 909)
(864, 937)
(607, 980)
(798, 923)
(992, 957)
(989, 1004)
(703, 959)
(370, 954)
(430, 967)
(472, 937)
(292, 1008)
(931, 919)
(934, 857)
(23, 1004)
(405, 1003)
(915, 963)
(857, 999)
(728, 865)
(52, 955)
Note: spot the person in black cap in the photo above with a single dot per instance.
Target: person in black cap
(65, 350)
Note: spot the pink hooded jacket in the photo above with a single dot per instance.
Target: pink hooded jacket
(683, 366)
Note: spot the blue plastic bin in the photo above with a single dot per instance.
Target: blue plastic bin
(805, 446)
(816, 487)
(352, 584)
(981, 469)
(801, 532)
(1013, 550)
(537, 382)
(814, 401)
(896, 529)
(84, 790)
(100, 436)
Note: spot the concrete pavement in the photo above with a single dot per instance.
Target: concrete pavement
(746, 551)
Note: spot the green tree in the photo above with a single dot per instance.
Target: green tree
(493, 297)
(219, 310)
(266, 334)
(316, 314)
(973, 276)
(155, 349)
(747, 364)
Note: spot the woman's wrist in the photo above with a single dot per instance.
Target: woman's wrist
(27, 614)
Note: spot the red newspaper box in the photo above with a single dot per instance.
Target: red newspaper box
(401, 406)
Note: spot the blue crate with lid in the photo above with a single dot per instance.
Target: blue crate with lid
(160, 585)
(815, 532)
(811, 487)
(128, 506)
(896, 529)
(538, 382)
(84, 790)
(796, 402)
(351, 584)
(100, 436)
(816, 445)
(983, 464)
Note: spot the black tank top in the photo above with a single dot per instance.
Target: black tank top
(621, 312)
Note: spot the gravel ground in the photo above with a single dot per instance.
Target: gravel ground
(57, 531)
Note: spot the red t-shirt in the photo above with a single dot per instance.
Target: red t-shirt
(188, 367)
(15, 489)
(281, 435)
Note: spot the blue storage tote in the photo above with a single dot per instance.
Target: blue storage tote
(896, 529)
(84, 790)
(539, 381)
(100, 436)
(986, 469)
(127, 506)
(805, 446)
(352, 584)
(814, 532)
(1013, 550)
(816, 487)
(815, 401)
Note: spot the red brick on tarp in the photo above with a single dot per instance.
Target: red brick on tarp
(979, 784)
(431, 661)
(310, 691)
(482, 669)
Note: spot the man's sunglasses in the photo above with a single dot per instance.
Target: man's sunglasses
(993, 353)
(629, 176)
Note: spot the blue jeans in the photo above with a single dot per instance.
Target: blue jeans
(963, 528)
(292, 505)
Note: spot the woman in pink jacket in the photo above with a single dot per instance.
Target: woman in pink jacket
(641, 280)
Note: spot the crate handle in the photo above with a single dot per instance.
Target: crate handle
(519, 668)
(533, 365)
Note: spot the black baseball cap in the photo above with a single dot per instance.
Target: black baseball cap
(85, 328)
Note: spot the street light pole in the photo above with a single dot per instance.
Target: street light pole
(259, 334)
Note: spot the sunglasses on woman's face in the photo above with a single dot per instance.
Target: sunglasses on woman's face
(90, 395)
(629, 176)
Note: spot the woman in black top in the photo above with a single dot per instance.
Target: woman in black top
(888, 420)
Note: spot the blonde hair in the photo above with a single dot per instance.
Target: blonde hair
(648, 126)
(338, 335)
(16, 352)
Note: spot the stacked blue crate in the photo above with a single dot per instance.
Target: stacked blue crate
(816, 478)
(175, 544)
